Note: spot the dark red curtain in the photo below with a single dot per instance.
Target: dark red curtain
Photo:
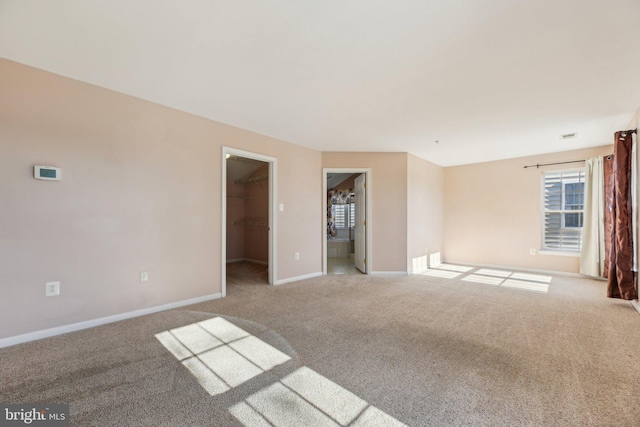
(620, 261)
(607, 169)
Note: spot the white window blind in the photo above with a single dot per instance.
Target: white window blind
(352, 214)
(563, 210)
(339, 215)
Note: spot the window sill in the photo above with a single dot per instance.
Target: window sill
(559, 253)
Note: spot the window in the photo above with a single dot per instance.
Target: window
(339, 215)
(352, 214)
(563, 210)
(344, 215)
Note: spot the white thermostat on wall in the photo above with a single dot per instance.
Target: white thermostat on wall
(48, 173)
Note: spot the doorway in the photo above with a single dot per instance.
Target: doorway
(248, 219)
(347, 229)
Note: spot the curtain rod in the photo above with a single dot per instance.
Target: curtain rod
(550, 164)
(575, 161)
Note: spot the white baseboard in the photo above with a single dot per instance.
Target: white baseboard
(636, 305)
(389, 273)
(59, 330)
(295, 279)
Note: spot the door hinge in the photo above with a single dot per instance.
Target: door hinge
(365, 260)
(364, 223)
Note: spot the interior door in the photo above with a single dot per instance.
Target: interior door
(360, 223)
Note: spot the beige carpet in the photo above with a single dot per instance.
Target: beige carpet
(438, 349)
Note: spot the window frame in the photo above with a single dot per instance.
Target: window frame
(562, 212)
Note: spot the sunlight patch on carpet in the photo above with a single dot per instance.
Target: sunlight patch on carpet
(485, 280)
(496, 273)
(441, 273)
(531, 277)
(451, 267)
(219, 354)
(305, 397)
(509, 279)
(494, 277)
(526, 286)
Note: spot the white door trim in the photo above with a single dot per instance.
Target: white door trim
(369, 215)
(273, 235)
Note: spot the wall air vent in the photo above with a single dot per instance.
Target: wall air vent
(568, 136)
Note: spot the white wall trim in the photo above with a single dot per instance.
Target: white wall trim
(297, 278)
(59, 330)
(636, 305)
(389, 273)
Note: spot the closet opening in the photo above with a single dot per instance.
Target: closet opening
(248, 220)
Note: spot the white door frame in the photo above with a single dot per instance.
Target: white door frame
(369, 204)
(272, 161)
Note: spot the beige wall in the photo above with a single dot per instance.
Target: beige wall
(493, 212)
(425, 211)
(141, 191)
(389, 187)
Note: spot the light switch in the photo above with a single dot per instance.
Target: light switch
(281, 207)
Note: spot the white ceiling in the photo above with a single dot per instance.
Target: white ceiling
(488, 79)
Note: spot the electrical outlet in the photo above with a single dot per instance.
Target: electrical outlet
(52, 289)
(144, 277)
(532, 252)
(297, 256)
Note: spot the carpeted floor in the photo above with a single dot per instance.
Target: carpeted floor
(454, 347)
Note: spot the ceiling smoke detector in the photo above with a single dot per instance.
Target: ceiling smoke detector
(568, 136)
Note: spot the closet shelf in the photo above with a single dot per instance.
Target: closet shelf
(252, 221)
(252, 180)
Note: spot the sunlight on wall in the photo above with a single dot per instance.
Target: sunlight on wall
(434, 260)
(306, 398)
(419, 264)
(219, 354)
